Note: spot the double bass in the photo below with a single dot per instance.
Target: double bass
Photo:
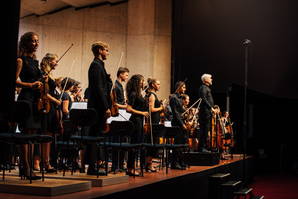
(217, 130)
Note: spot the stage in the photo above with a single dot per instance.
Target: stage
(177, 183)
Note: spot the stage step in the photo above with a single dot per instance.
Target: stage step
(257, 197)
(228, 188)
(215, 181)
(220, 175)
(232, 183)
(243, 191)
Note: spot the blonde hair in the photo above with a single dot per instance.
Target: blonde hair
(98, 45)
(45, 62)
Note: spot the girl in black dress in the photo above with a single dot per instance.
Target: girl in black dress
(137, 107)
(155, 107)
(27, 77)
(49, 120)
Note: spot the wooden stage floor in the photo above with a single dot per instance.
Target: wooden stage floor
(139, 182)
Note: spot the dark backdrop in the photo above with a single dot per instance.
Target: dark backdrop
(208, 37)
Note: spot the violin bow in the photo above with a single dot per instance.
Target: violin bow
(199, 100)
(67, 79)
(65, 52)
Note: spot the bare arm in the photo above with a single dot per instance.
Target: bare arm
(131, 110)
(53, 99)
(124, 106)
(65, 104)
(21, 84)
(151, 104)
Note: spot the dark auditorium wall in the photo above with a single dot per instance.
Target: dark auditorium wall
(208, 37)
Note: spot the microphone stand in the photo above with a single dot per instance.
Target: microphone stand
(246, 45)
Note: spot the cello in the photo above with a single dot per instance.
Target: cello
(228, 138)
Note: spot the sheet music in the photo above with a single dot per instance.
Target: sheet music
(123, 116)
(79, 105)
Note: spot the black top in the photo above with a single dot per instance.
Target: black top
(155, 116)
(207, 100)
(137, 103)
(177, 109)
(29, 73)
(66, 96)
(99, 87)
(118, 89)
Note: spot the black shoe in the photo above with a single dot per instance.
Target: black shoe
(82, 170)
(132, 174)
(177, 166)
(204, 150)
(150, 169)
(26, 175)
(94, 172)
(33, 177)
(51, 170)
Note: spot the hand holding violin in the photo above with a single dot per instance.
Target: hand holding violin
(36, 85)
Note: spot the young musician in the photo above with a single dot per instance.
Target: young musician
(122, 76)
(49, 120)
(206, 109)
(136, 105)
(155, 107)
(76, 93)
(28, 77)
(181, 137)
(99, 89)
(67, 85)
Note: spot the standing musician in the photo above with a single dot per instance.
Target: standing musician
(122, 76)
(136, 105)
(155, 107)
(205, 113)
(99, 88)
(49, 120)
(181, 137)
(29, 75)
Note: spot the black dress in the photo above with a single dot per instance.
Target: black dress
(30, 73)
(155, 116)
(137, 136)
(49, 120)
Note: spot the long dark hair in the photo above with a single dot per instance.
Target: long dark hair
(133, 85)
(24, 44)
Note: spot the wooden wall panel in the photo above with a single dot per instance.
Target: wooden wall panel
(130, 28)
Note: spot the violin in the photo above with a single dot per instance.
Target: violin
(114, 107)
(162, 112)
(43, 102)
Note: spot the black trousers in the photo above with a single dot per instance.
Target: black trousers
(205, 127)
(94, 153)
(180, 138)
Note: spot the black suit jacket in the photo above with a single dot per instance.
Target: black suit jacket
(99, 87)
(207, 101)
